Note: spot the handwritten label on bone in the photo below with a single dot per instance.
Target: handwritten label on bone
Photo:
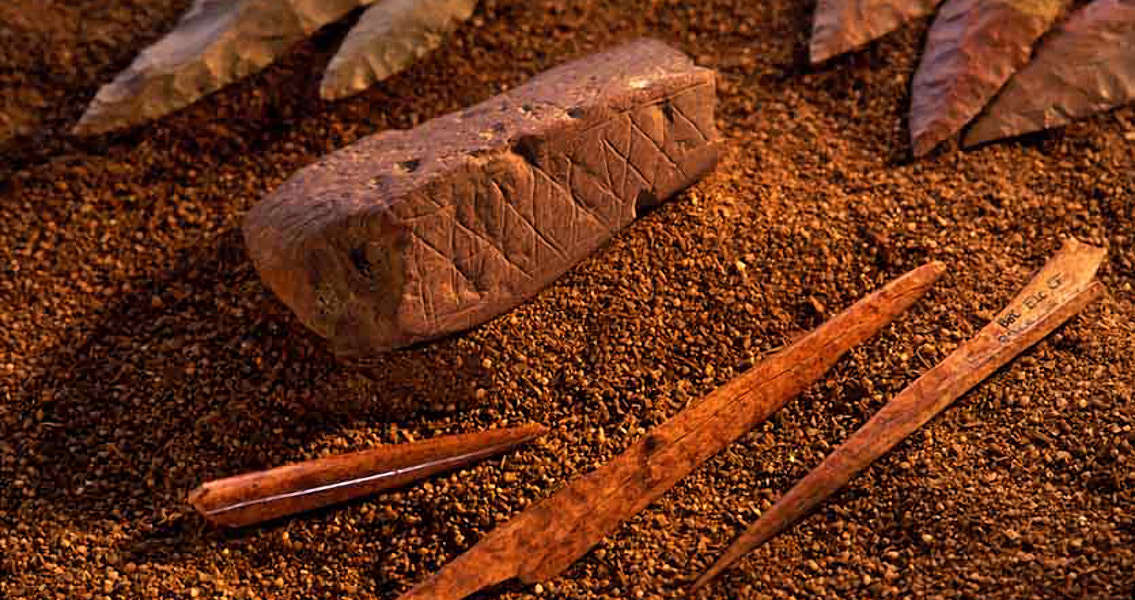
(1029, 303)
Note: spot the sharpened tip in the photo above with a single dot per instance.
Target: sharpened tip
(706, 577)
(83, 127)
(818, 56)
(735, 551)
(283, 491)
(528, 432)
(195, 499)
(925, 276)
(921, 145)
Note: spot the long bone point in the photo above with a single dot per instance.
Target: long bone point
(1060, 290)
(545, 539)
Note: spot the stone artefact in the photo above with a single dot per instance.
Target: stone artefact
(979, 57)
(1086, 66)
(215, 43)
(840, 26)
(407, 236)
(389, 37)
(974, 46)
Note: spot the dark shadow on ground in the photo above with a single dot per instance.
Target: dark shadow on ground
(197, 374)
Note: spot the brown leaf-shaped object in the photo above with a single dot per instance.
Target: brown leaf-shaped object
(843, 25)
(973, 48)
(389, 37)
(1085, 67)
(215, 43)
(265, 495)
(1055, 294)
(546, 538)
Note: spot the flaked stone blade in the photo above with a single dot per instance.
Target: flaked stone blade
(973, 48)
(407, 236)
(843, 25)
(215, 43)
(389, 37)
(1087, 66)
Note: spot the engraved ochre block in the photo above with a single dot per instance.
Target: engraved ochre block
(407, 236)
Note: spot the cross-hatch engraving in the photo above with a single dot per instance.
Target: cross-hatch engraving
(528, 225)
(628, 166)
(497, 257)
(657, 146)
(487, 246)
(676, 106)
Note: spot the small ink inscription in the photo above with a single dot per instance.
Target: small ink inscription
(1033, 300)
(1008, 319)
(1029, 303)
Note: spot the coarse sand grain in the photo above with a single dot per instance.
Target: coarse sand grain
(140, 355)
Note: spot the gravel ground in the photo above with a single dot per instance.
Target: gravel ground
(140, 355)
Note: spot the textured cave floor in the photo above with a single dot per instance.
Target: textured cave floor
(140, 355)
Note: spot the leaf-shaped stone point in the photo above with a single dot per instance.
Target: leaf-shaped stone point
(843, 25)
(1087, 66)
(389, 37)
(215, 43)
(973, 48)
